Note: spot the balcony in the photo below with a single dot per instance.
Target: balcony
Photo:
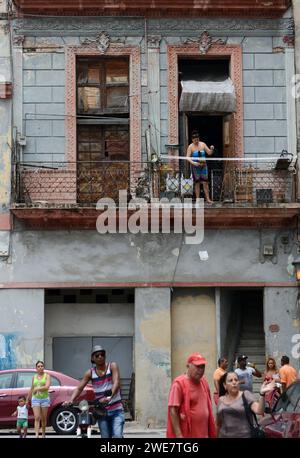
(64, 195)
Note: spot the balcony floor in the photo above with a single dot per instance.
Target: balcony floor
(216, 216)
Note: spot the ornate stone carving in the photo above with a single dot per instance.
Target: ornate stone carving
(135, 26)
(224, 26)
(101, 42)
(153, 41)
(216, 50)
(205, 41)
(18, 40)
(89, 25)
(135, 99)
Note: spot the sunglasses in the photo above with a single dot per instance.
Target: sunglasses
(97, 355)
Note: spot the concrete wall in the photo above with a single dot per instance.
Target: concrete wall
(21, 328)
(5, 133)
(86, 256)
(193, 329)
(281, 308)
(152, 355)
(74, 320)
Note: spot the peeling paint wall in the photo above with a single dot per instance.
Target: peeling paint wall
(86, 256)
(152, 355)
(193, 329)
(5, 133)
(21, 328)
(281, 308)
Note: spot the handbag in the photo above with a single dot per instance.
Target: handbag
(187, 185)
(256, 430)
(172, 183)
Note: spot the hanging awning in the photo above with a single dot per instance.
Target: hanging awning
(208, 96)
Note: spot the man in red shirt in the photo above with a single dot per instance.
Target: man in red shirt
(190, 412)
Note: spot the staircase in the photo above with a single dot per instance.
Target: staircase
(252, 340)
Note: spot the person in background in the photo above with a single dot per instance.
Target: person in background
(190, 412)
(222, 367)
(39, 395)
(22, 417)
(231, 415)
(271, 373)
(196, 156)
(287, 373)
(245, 373)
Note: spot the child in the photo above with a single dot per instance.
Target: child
(22, 420)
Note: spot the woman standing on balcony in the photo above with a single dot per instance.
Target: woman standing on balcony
(196, 156)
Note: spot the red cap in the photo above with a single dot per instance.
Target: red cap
(197, 359)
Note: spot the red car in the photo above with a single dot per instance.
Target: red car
(285, 416)
(16, 382)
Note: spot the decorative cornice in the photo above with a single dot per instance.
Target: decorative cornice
(155, 8)
(135, 26)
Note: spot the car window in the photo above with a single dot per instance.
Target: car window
(55, 381)
(5, 380)
(290, 400)
(24, 379)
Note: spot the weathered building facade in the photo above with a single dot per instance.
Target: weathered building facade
(97, 97)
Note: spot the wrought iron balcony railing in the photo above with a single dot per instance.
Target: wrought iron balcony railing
(239, 183)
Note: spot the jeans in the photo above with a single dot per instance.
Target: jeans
(112, 424)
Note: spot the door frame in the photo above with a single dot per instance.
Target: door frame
(234, 54)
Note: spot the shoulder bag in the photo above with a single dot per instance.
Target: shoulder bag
(256, 430)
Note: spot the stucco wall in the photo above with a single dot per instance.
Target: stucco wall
(21, 328)
(280, 308)
(193, 329)
(5, 132)
(152, 355)
(86, 256)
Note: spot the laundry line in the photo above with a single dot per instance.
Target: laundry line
(223, 159)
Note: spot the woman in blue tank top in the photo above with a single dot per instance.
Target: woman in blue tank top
(196, 156)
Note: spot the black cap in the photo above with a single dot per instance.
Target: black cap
(241, 357)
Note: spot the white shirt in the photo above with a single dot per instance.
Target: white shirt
(22, 412)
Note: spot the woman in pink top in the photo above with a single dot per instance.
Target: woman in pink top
(271, 373)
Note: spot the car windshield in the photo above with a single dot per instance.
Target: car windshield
(290, 400)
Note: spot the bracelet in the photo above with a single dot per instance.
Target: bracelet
(262, 394)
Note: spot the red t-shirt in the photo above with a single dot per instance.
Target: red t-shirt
(199, 412)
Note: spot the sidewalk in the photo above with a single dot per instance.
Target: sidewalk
(131, 430)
